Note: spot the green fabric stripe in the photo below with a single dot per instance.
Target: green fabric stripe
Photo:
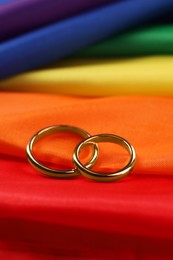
(146, 41)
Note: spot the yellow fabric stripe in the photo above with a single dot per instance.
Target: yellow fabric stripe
(137, 76)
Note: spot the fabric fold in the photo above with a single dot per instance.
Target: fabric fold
(141, 120)
(100, 77)
(15, 16)
(39, 216)
(157, 40)
(46, 45)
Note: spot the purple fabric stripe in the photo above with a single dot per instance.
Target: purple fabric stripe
(20, 16)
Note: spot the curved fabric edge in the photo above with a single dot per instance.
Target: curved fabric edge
(146, 41)
(56, 41)
(137, 76)
(42, 12)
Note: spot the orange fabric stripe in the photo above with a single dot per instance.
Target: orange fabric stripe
(146, 122)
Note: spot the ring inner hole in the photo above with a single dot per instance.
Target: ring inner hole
(112, 157)
(56, 150)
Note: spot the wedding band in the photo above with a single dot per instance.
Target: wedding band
(104, 177)
(52, 130)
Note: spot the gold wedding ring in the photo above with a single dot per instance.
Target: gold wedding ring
(52, 130)
(104, 177)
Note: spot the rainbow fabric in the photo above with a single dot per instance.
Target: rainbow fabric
(107, 67)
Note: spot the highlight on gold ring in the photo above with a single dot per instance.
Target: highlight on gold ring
(105, 177)
(53, 172)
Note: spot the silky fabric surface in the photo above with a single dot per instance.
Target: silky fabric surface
(137, 76)
(55, 41)
(44, 218)
(146, 41)
(5, 2)
(21, 16)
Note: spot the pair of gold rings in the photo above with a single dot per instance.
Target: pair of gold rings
(79, 168)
